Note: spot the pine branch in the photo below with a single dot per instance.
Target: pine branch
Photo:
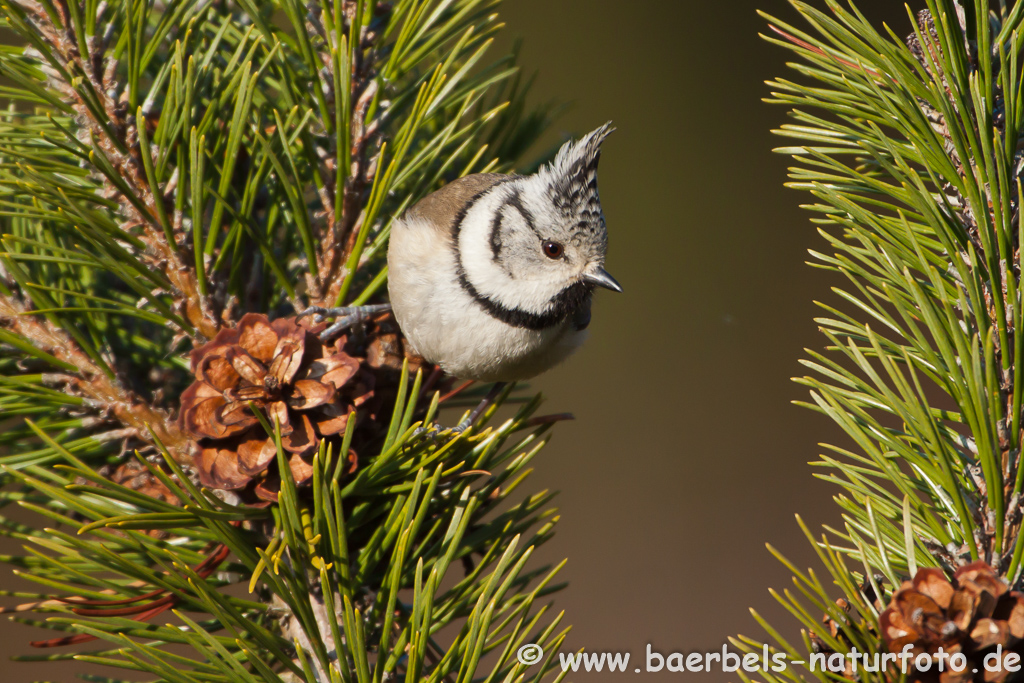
(83, 75)
(339, 240)
(104, 393)
(911, 149)
(174, 173)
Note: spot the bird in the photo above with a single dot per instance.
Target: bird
(491, 277)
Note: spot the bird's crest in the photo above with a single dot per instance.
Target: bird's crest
(573, 174)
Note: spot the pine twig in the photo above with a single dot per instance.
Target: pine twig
(116, 139)
(106, 395)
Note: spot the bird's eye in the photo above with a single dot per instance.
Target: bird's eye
(553, 250)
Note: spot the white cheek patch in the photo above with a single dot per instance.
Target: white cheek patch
(507, 233)
(475, 247)
(489, 278)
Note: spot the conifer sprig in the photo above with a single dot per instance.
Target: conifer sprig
(165, 169)
(911, 150)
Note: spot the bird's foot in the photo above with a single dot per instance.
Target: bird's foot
(465, 424)
(345, 317)
(480, 408)
(435, 430)
(431, 430)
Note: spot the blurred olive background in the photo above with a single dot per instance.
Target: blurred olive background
(686, 456)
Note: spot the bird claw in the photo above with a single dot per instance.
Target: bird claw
(434, 431)
(347, 316)
(319, 313)
(424, 429)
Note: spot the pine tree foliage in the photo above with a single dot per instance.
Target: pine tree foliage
(911, 150)
(164, 169)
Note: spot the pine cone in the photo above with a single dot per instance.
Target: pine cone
(283, 370)
(973, 614)
(134, 475)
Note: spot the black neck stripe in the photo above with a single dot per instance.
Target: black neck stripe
(461, 215)
(562, 306)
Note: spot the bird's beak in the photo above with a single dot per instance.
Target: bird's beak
(601, 278)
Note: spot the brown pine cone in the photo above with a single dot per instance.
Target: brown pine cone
(134, 475)
(284, 371)
(974, 614)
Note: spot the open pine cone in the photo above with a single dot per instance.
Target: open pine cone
(973, 614)
(284, 371)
